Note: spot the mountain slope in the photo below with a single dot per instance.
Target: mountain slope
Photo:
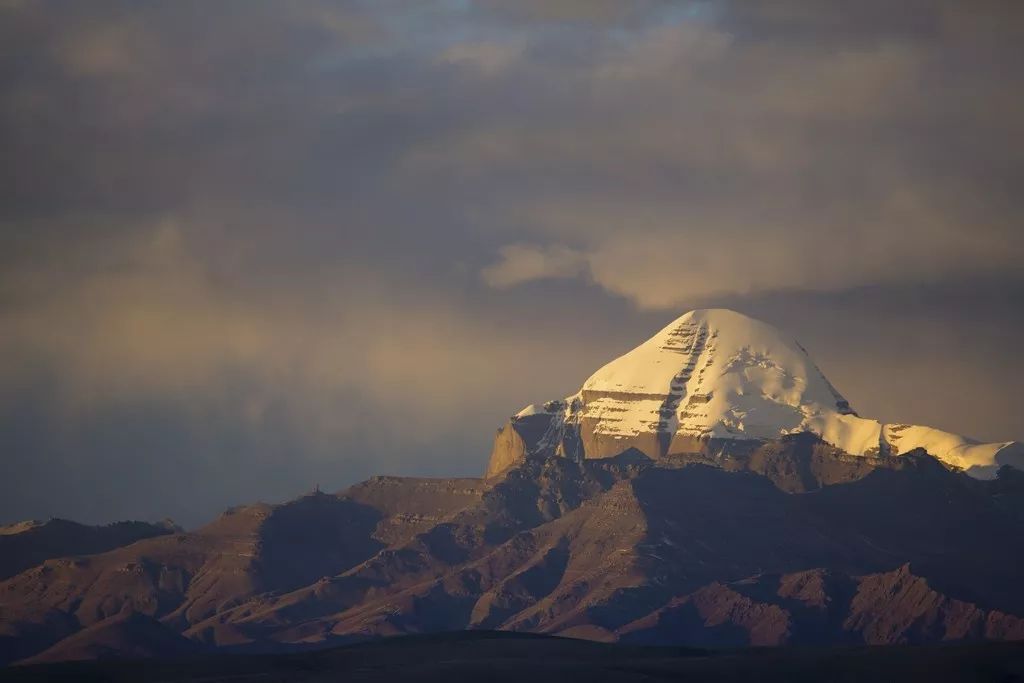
(128, 634)
(817, 607)
(27, 544)
(715, 375)
(186, 578)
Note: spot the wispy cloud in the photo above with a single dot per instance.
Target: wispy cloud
(521, 263)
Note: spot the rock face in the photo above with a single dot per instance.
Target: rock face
(786, 542)
(716, 376)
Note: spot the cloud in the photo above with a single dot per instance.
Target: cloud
(489, 58)
(520, 263)
(664, 52)
(156, 320)
(718, 166)
(662, 254)
(288, 239)
(601, 12)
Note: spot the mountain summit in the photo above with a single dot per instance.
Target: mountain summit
(713, 378)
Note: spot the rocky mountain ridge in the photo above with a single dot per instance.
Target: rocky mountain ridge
(622, 548)
(26, 544)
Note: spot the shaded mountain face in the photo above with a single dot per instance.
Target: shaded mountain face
(819, 607)
(712, 377)
(129, 634)
(790, 541)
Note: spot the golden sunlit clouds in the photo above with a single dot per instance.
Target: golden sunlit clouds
(661, 255)
(154, 321)
(521, 263)
(730, 168)
(353, 233)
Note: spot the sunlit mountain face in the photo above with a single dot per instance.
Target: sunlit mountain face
(716, 375)
(405, 255)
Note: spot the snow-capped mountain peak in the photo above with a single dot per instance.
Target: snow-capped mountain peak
(711, 373)
(717, 374)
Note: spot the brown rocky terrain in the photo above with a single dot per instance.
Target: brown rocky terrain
(818, 607)
(27, 544)
(785, 542)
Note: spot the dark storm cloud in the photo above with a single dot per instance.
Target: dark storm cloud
(249, 246)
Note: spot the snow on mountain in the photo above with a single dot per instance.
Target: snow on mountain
(717, 374)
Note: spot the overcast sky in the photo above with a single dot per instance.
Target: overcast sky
(250, 247)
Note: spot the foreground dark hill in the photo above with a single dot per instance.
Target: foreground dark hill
(129, 635)
(500, 657)
(788, 542)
